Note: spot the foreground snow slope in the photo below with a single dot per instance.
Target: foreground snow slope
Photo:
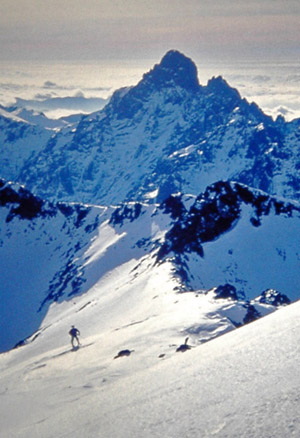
(56, 252)
(245, 383)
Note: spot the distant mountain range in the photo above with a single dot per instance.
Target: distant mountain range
(166, 134)
(72, 103)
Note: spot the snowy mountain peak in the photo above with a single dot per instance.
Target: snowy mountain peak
(165, 135)
(175, 72)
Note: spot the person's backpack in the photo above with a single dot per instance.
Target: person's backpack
(73, 332)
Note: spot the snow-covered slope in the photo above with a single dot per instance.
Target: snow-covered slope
(143, 255)
(19, 140)
(167, 134)
(23, 135)
(242, 384)
(38, 247)
(236, 235)
(37, 118)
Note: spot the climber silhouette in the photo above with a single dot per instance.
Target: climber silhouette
(74, 333)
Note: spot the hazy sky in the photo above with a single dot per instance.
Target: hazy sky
(130, 29)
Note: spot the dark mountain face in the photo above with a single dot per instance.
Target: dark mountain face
(175, 69)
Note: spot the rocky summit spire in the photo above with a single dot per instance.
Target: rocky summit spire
(174, 69)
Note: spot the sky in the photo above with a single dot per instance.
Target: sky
(93, 47)
(131, 29)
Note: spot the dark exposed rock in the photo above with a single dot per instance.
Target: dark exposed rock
(183, 347)
(22, 203)
(251, 315)
(174, 69)
(125, 212)
(226, 291)
(272, 297)
(215, 212)
(166, 112)
(173, 206)
(123, 353)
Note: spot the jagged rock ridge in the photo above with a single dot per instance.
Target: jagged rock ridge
(229, 209)
(60, 251)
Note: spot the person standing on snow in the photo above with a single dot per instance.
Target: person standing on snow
(74, 333)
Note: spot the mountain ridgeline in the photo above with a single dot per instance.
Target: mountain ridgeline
(166, 134)
(53, 252)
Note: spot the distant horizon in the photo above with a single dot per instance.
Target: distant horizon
(155, 57)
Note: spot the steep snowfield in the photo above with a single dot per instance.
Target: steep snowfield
(19, 141)
(242, 384)
(134, 255)
(116, 273)
(39, 247)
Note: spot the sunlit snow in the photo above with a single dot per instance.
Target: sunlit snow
(242, 384)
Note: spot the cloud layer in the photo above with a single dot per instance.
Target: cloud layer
(272, 85)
